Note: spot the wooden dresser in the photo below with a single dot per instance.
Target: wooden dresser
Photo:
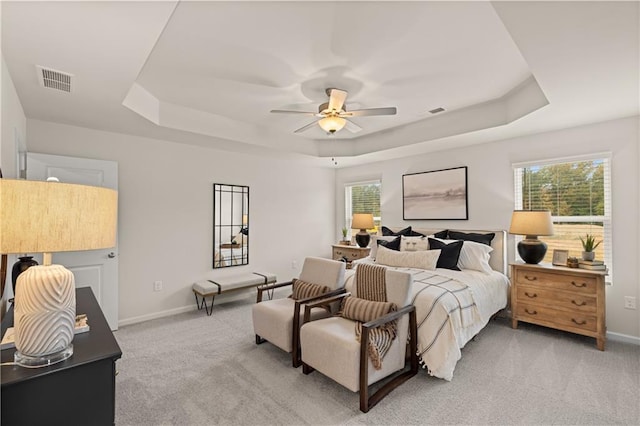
(568, 299)
(349, 253)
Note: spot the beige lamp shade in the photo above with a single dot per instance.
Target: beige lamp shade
(45, 217)
(362, 221)
(531, 222)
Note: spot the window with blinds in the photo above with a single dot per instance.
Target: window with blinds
(362, 197)
(577, 191)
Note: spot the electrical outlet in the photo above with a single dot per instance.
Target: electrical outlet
(629, 302)
(294, 264)
(157, 286)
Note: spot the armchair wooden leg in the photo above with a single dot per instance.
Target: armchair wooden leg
(259, 340)
(307, 369)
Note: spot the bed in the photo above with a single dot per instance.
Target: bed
(452, 306)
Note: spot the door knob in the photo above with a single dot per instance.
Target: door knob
(111, 255)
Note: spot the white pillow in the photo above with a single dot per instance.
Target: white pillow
(409, 259)
(414, 243)
(374, 244)
(473, 256)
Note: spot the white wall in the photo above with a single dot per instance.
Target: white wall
(491, 200)
(165, 212)
(13, 124)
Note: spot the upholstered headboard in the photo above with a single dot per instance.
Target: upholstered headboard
(498, 257)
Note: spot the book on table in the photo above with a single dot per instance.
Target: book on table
(601, 267)
(591, 262)
(9, 338)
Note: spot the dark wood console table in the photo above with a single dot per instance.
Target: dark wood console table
(77, 391)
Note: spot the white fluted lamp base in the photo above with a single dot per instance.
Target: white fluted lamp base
(44, 315)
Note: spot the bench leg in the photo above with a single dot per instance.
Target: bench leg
(203, 304)
(259, 340)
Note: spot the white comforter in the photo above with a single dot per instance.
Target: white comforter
(451, 308)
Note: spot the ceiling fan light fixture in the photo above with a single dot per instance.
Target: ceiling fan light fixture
(332, 124)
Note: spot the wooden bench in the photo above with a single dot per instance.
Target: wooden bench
(211, 288)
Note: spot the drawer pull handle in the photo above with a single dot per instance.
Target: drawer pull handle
(581, 285)
(534, 278)
(579, 304)
(534, 312)
(532, 296)
(583, 322)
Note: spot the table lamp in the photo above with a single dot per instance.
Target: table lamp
(46, 217)
(531, 223)
(362, 221)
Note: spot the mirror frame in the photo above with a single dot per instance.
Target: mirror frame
(229, 225)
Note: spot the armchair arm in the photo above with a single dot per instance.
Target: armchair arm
(323, 301)
(388, 317)
(267, 287)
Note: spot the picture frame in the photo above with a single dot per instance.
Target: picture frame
(560, 257)
(435, 195)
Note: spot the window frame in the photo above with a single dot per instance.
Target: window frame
(348, 205)
(605, 219)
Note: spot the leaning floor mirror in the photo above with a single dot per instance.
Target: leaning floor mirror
(230, 225)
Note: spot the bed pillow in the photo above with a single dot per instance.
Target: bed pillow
(474, 256)
(304, 289)
(471, 236)
(450, 253)
(413, 243)
(364, 310)
(388, 242)
(442, 234)
(413, 233)
(408, 259)
(386, 232)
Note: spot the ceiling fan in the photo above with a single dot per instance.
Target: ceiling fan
(334, 115)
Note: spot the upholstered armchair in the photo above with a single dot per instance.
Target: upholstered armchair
(278, 320)
(330, 345)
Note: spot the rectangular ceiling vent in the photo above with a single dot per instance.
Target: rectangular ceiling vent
(436, 110)
(54, 79)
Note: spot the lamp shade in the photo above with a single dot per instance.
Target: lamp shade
(332, 124)
(531, 222)
(45, 217)
(362, 221)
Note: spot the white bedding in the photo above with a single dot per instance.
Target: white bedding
(451, 308)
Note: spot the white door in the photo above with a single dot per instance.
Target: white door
(97, 269)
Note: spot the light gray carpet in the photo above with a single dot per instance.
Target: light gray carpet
(191, 369)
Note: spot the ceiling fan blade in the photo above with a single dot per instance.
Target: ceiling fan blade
(307, 127)
(351, 126)
(336, 99)
(284, 111)
(370, 111)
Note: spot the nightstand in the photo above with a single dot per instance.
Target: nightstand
(349, 253)
(569, 299)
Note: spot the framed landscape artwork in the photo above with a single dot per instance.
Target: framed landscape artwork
(435, 195)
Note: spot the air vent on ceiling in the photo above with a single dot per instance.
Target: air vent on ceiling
(54, 79)
(436, 110)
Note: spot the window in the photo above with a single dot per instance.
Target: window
(577, 191)
(362, 197)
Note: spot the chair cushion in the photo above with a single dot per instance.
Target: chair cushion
(365, 310)
(303, 289)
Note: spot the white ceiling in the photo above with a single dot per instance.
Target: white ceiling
(209, 72)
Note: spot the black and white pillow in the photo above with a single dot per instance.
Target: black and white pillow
(449, 255)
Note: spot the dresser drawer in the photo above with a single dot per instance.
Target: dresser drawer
(541, 279)
(568, 301)
(560, 318)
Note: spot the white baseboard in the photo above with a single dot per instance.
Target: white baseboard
(618, 337)
(156, 315)
(231, 297)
